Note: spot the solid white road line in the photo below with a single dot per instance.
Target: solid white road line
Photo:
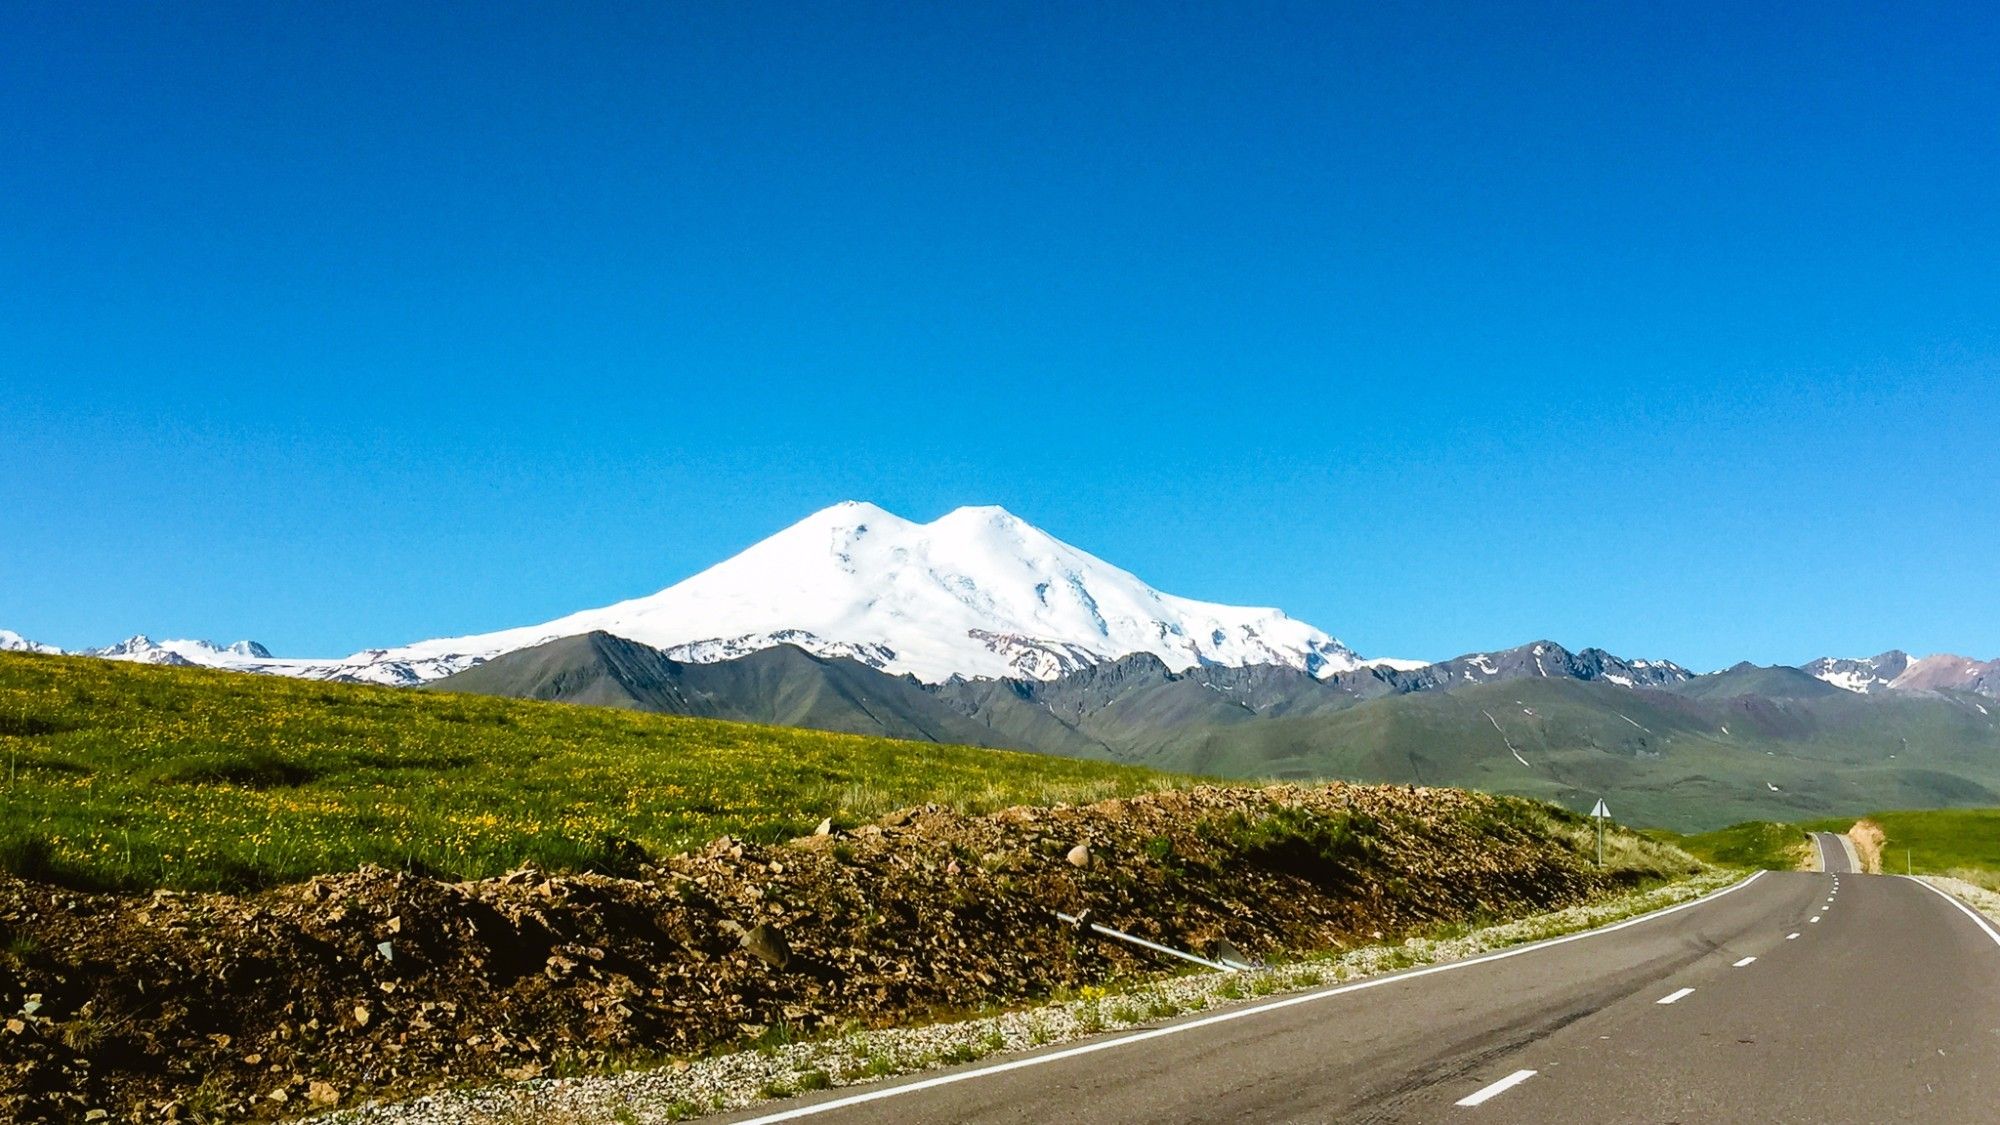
(1977, 918)
(1673, 996)
(1500, 1087)
(1742, 963)
(1097, 1045)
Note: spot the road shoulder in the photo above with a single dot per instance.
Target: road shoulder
(689, 1088)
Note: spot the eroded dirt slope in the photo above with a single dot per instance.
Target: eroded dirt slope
(200, 1006)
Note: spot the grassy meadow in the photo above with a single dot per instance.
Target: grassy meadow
(1964, 843)
(1753, 844)
(1960, 842)
(132, 776)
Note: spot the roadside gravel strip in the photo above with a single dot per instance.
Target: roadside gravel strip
(1977, 897)
(692, 1088)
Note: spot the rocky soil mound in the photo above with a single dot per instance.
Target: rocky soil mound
(215, 1007)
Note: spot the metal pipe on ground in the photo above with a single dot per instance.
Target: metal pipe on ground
(1120, 935)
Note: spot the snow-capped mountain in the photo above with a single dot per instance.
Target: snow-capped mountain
(11, 641)
(975, 593)
(249, 656)
(1896, 670)
(980, 594)
(143, 649)
(1863, 675)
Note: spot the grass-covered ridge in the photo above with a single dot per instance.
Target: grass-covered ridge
(1963, 843)
(1754, 844)
(132, 776)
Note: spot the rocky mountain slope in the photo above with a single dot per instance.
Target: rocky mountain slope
(1682, 750)
(1897, 670)
(781, 686)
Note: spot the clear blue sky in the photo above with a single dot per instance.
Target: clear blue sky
(1668, 329)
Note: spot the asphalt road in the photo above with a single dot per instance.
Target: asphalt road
(1836, 855)
(1800, 997)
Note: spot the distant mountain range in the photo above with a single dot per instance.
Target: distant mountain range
(975, 594)
(1678, 749)
(1897, 670)
(979, 628)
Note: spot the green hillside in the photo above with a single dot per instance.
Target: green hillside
(1754, 843)
(1658, 758)
(1961, 842)
(124, 775)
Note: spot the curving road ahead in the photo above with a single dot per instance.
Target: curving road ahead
(1806, 997)
(1836, 854)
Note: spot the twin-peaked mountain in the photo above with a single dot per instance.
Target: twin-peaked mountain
(976, 593)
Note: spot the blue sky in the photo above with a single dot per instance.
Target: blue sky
(1670, 329)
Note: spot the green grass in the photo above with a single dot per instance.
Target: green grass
(1755, 843)
(1960, 842)
(131, 776)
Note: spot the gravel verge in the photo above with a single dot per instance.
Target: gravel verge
(688, 1088)
(1977, 897)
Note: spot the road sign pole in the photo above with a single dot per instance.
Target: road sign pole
(1600, 812)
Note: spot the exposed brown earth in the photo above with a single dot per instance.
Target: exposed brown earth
(203, 1006)
(1868, 838)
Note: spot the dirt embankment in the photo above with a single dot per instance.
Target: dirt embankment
(1868, 838)
(215, 1007)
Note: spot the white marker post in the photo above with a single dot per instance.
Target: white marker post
(1600, 812)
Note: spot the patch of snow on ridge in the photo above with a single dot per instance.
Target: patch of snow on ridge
(1858, 682)
(1394, 664)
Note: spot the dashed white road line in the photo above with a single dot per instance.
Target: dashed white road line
(1742, 963)
(1815, 918)
(1791, 937)
(1500, 1087)
(1675, 995)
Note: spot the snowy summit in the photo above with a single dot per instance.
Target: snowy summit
(977, 592)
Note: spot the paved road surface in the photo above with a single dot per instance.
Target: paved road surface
(1836, 855)
(1800, 997)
